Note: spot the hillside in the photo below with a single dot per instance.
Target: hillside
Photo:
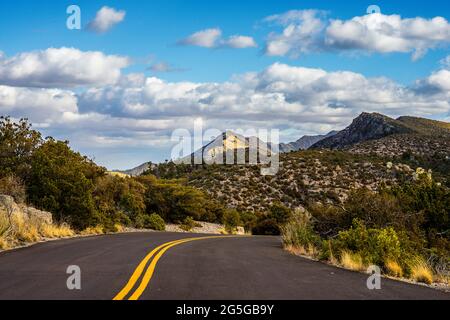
(323, 175)
(304, 177)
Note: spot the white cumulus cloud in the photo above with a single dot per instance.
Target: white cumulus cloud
(240, 42)
(307, 31)
(105, 19)
(212, 38)
(61, 67)
(205, 38)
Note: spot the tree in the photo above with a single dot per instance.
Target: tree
(61, 181)
(17, 143)
(120, 200)
(231, 220)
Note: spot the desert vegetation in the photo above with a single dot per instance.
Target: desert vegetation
(403, 229)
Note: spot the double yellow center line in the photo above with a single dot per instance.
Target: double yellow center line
(157, 253)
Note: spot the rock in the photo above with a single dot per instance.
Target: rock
(33, 213)
(240, 230)
(11, 208)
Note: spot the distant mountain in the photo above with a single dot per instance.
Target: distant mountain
(227, 142)
(304, 142)
(368, 126)
(136, 171)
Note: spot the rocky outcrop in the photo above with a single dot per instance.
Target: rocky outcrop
(9, 207)
(368, 126)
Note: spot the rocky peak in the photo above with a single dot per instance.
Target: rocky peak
(367, 126)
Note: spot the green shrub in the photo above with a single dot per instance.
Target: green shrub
(189, 224)
(376, 246)
(299, 232)
(280, 213)
(154, 222)
(231, 220)
(248, 220)
(61, 181)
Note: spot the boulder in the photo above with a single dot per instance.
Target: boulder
(11, 208)
(33, 213)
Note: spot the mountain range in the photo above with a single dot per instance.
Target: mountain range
(365, 128)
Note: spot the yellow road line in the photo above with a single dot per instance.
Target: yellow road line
(150, 270)
(137, 273)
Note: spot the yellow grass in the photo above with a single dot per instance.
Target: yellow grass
(421, 272)
(4, 223)
(352, 261)
(119, 227)
(26, 231)
(394, 269)
(309, 251)
(332, 258)
(92, 230)
(56, 231)
(3, 244)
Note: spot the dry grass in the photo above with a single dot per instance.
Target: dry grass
(22, 230)
(309, 251)
(393, 268)
(119, 228)
(3, 244)
(4, 223)
(352, 261)
(421, 271)
(92, 231)
(25, 231)
(56, 231)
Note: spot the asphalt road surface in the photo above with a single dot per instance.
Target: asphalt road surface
(126, 266)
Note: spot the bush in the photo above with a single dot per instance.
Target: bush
(280, 213)
(248, 220)
(299, 232)
(154, 222)
(174, 201)
(231, 220)
(375, 245)
(189, 224)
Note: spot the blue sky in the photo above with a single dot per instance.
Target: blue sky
(150, 34)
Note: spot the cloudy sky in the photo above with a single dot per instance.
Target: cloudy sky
(137, 70)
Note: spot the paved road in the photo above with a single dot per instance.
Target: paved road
(211, 268)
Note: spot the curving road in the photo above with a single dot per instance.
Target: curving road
(126, 266)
